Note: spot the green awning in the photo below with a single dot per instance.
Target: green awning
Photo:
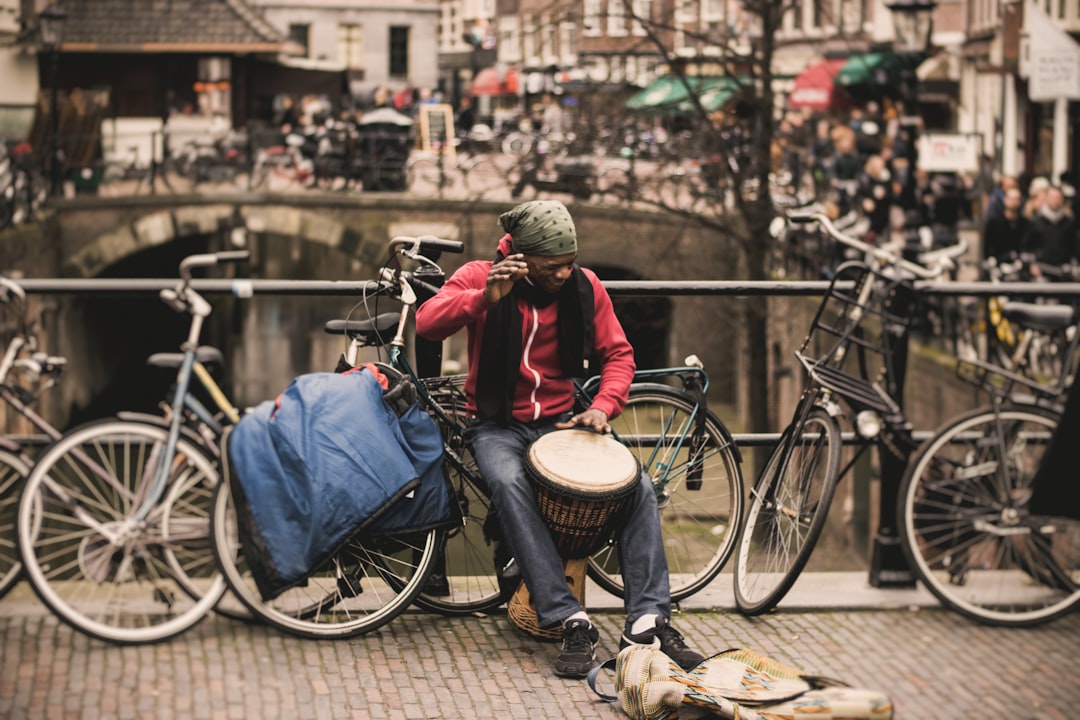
(876, 69)
(670, 94)
(881, 69)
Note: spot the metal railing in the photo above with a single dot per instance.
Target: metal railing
(888, 567)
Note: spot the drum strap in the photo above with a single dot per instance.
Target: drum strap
(500, 354)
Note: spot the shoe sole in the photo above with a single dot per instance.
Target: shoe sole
(575, 674)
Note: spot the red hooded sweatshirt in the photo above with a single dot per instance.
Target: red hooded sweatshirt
(541, 391)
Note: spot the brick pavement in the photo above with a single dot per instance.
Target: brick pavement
(934, 664)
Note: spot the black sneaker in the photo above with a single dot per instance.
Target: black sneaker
(578, 654)
(671, 643)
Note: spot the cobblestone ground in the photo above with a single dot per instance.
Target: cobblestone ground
(934, 664)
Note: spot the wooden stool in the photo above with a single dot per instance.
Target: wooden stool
(522, 611)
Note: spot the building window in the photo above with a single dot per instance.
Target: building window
(300, 33)
(528, 42)
(549, 46)
(351, 46)
(642, 10)
(796, 15)
(616, 18)
(509, 46)
(399, 51)
(568, 42)
(591, 22)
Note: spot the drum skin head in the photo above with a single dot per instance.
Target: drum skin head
(584, 461)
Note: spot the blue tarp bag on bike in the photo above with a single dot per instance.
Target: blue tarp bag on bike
(327, 459)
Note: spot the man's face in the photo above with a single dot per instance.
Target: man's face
(1054, 198)
(1013, 199)
(549, 272)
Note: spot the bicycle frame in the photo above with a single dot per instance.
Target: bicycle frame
(696, 384)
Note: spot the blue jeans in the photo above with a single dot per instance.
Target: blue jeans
(500, 456)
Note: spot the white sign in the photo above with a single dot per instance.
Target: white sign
(949, 152)
(1054, 62)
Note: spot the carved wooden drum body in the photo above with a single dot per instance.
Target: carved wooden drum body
(583, 480)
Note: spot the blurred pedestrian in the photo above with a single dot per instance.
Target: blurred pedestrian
(876, 198)
(1004, 233)
(1051, 237)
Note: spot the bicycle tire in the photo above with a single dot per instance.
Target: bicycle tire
(365, 584)
(464, 580)
(13, 473)
(788, 508)
(614, 185)
(483, 178)
(966, 532)
(520, 180)
(424, 177)
(699, 522)
(390, 175)
(151, 580)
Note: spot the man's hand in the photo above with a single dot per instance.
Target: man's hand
(592, 418)
(502, 276)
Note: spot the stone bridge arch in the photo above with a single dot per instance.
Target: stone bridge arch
(270, 340)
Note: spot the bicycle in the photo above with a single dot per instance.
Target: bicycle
(23, 187)
(964, 522)
(438, 173)
(119, 174)
(681, 444)
(790, 500)
(25, 373)
(113, 524)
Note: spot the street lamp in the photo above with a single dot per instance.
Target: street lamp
(912, 22)
(51, 25)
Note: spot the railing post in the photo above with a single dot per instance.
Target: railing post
(888, 566)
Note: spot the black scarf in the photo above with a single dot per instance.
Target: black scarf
(500, 353)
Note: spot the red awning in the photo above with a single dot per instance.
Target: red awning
(492, 81)
(815, 88)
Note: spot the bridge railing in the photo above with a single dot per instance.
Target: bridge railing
(888, 567)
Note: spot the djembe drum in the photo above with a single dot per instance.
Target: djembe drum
(583, 480)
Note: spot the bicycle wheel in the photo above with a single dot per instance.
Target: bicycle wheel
(483, 178)
(390, 175)
(96, 565)
(13, 472)
(613, 186)
(520, 179)
(364, 585)
(699, 488)
(465, 581)
(965, 528)
(788, 507)
(424, 177)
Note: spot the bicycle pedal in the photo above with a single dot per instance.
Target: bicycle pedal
(437, 585)
(349, 585)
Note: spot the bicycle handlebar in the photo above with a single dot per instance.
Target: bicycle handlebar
(936, 261)
(10, 290)
(412, 246)
(209, 260)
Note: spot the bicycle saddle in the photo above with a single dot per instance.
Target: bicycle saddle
(374, 331)
(205, 354)
(1047, 318)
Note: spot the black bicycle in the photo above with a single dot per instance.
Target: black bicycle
(859, 329)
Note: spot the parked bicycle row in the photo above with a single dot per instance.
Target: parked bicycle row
(22, 186)
(127, 527)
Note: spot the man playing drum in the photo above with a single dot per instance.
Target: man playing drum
(536, 320)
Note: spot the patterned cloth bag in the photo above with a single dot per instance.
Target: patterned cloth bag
(738, 684)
